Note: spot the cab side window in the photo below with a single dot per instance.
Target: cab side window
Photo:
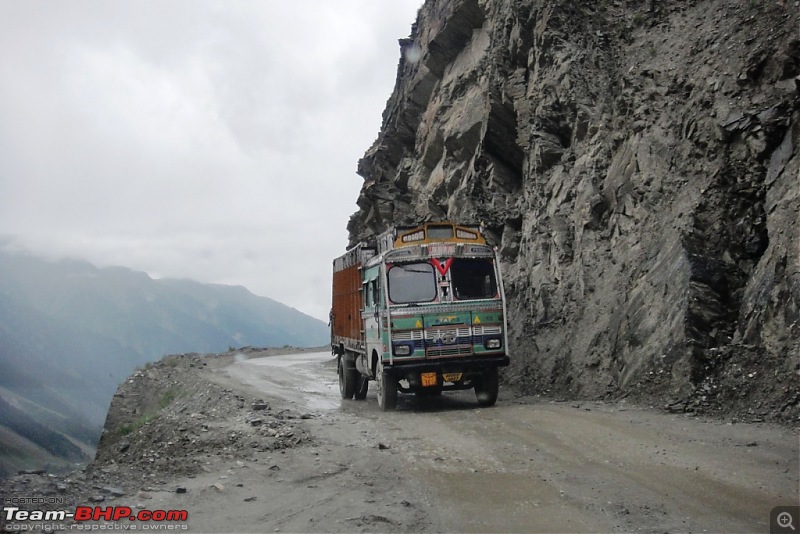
(376, 293)
(372, 296)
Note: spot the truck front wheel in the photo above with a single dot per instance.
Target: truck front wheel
(486, 387)
(347, 379)
(387, 390)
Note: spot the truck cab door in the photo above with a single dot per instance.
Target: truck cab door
(370, 318)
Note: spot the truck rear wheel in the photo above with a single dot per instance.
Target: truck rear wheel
(487, 386)
(387, 390)
(347, 379)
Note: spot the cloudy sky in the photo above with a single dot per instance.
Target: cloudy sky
(213, 140)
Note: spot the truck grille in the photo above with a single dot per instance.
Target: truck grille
(492, 330)
(407, 335)
(447, 341)
(449, 351)
(442, 341)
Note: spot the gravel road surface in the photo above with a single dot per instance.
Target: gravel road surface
(525, 465)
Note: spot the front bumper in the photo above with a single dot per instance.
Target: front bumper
(469, 368)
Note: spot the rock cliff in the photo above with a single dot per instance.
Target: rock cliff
(636, 164)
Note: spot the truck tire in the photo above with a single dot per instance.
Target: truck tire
(486, 388)
(387, 390)
(363, 386)
(347, 382)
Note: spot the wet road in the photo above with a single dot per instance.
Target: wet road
(531, 465)
(303, 379)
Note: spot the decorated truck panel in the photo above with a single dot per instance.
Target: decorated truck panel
(419, 310)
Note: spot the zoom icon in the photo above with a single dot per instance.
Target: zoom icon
(784, 519)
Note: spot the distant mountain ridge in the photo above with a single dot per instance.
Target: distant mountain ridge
(70, 332)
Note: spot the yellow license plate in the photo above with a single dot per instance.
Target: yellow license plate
(451, 377)
(429, 379)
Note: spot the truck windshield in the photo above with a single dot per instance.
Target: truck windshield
(411, 282)
(473, 279)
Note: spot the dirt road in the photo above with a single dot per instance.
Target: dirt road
(524, 465)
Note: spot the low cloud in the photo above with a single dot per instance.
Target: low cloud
(211, 140)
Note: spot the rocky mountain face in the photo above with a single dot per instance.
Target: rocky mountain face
(636, 164)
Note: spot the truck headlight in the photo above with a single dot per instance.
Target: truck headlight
(493, 344)
(401, 350)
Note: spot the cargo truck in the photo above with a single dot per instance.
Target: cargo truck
(419, 310)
